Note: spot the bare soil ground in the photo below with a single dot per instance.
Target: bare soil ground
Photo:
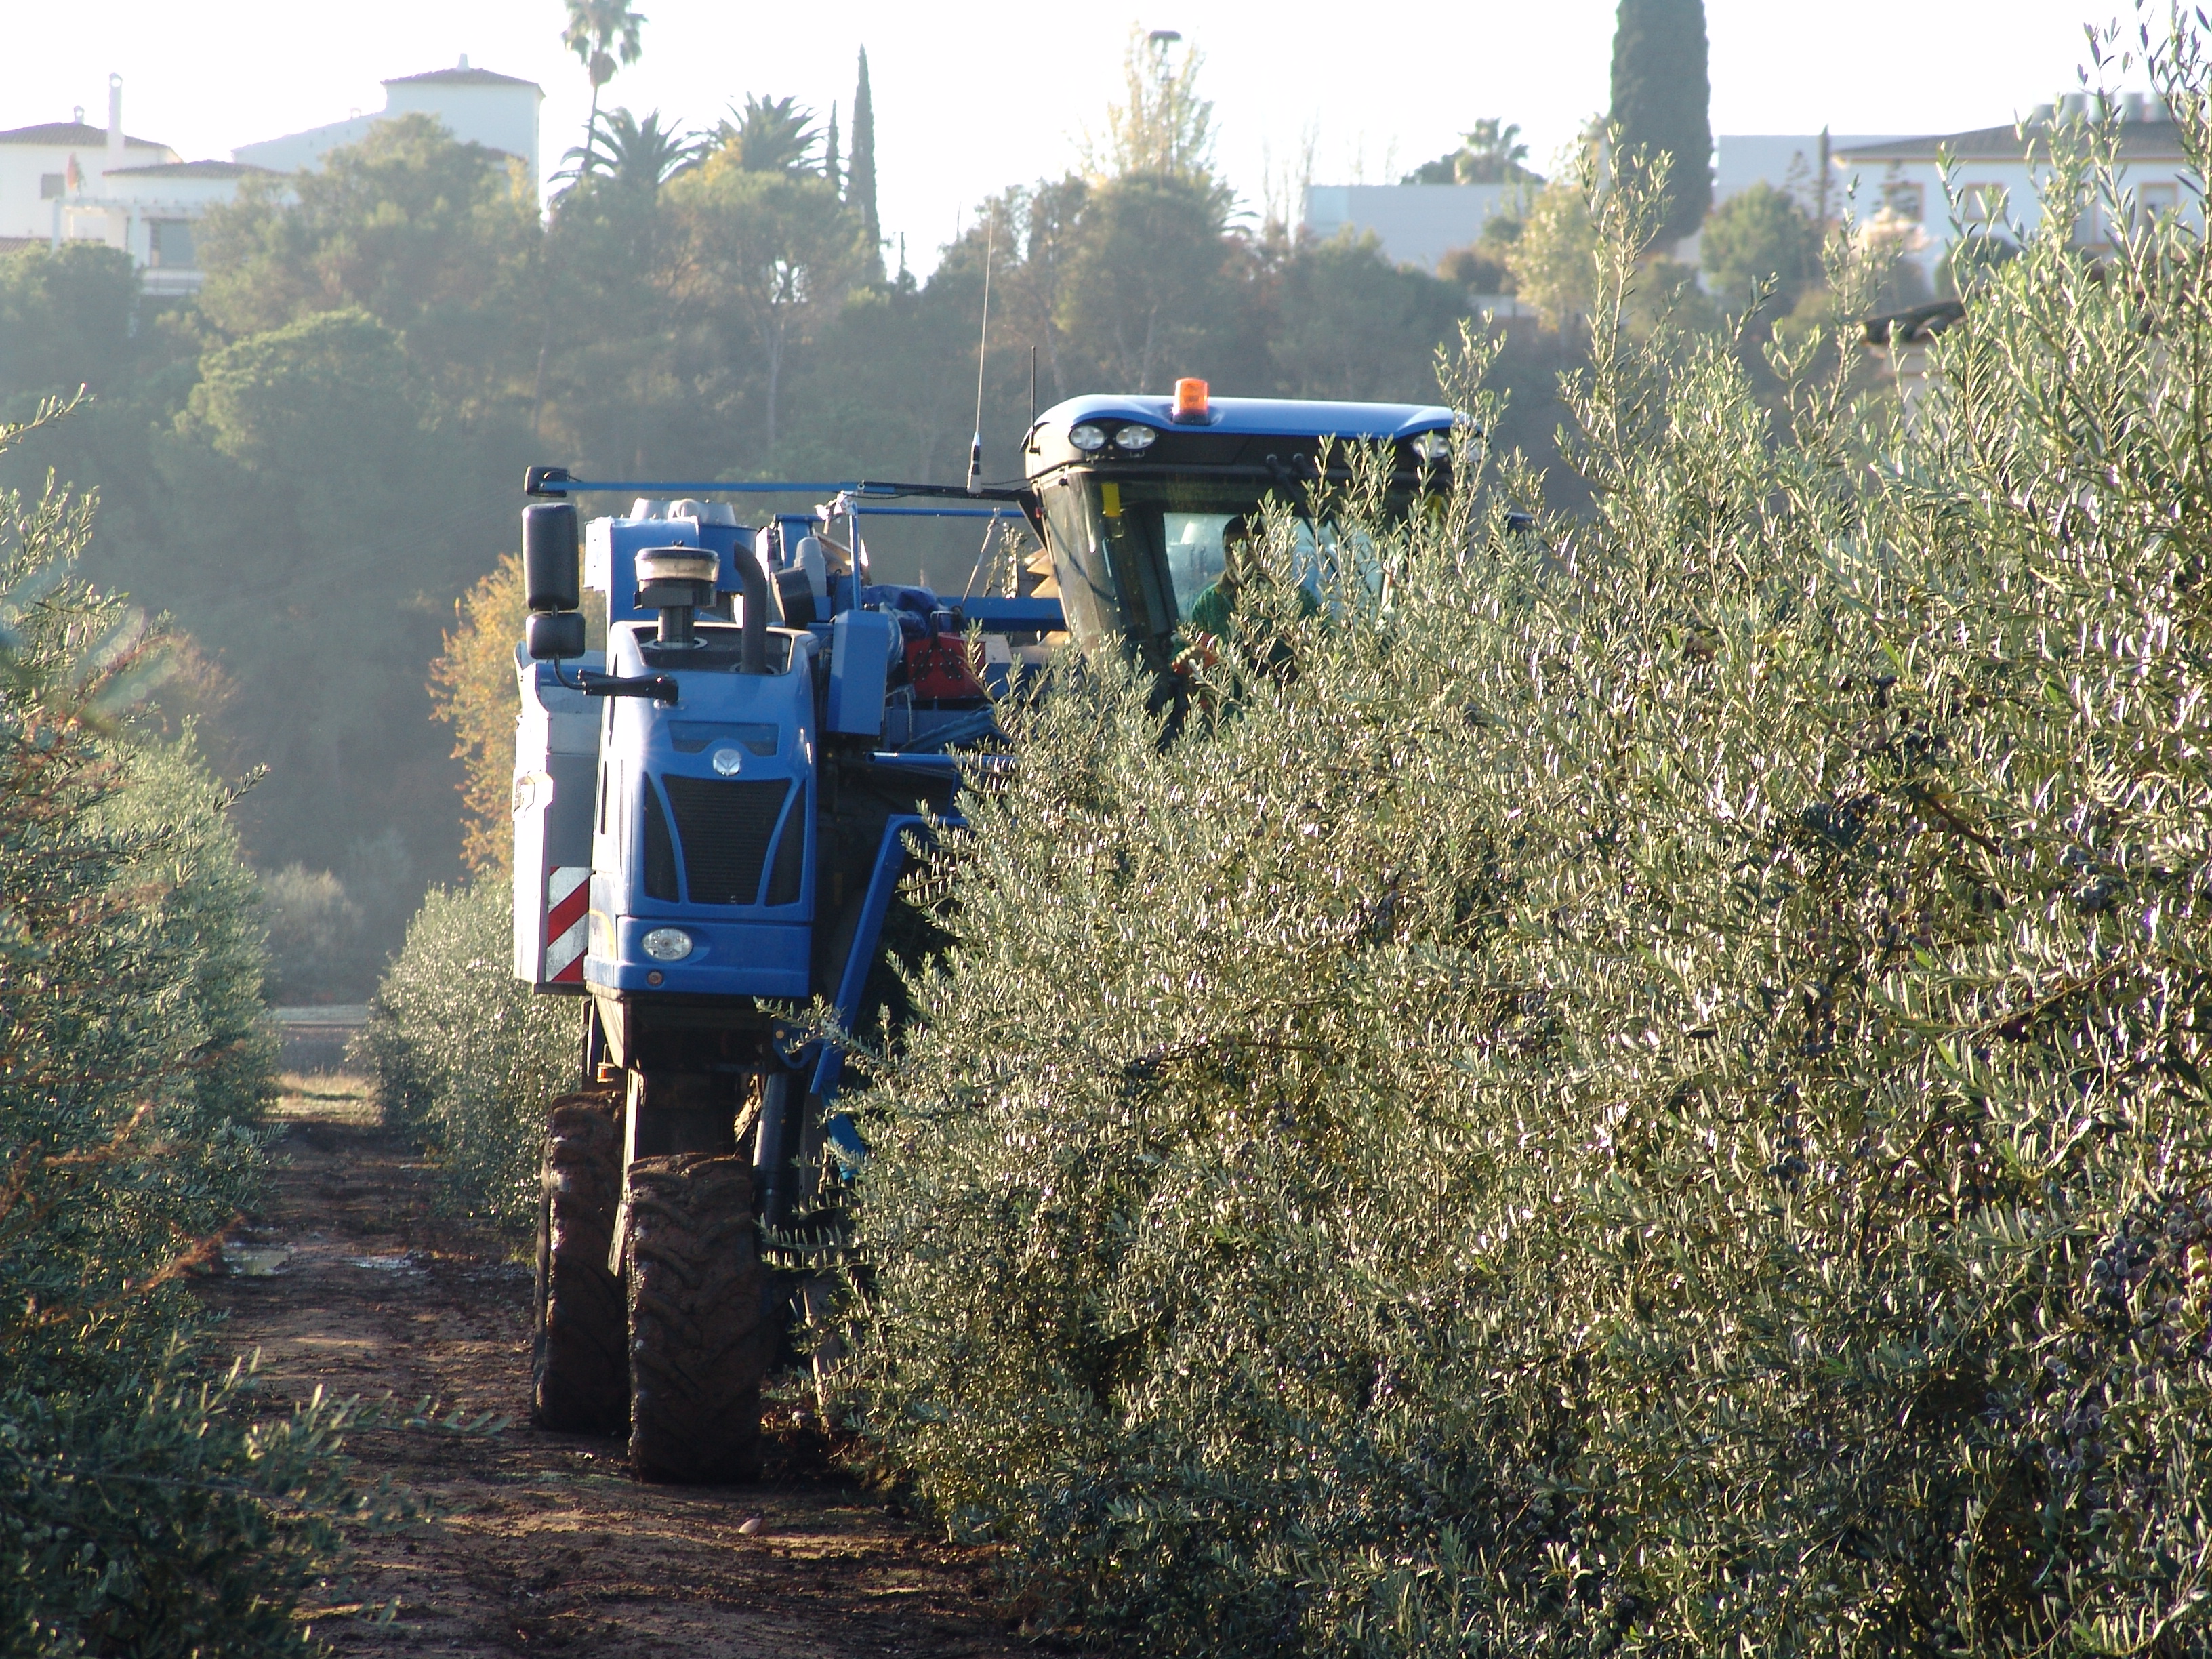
(537, 1542)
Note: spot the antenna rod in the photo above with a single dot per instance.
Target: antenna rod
(975, 450)
(1032, 385)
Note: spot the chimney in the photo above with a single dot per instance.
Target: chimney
(115, 121)
(465, 60)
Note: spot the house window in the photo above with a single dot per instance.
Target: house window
(1981, 204)
(169, 244)
(2157, 201)
(1904, 201)
(52, 186)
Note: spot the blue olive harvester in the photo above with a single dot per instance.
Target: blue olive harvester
(711, 816)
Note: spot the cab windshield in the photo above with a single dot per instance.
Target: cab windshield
(1143, 551)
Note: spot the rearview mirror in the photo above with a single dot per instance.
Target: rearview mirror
(553, 636)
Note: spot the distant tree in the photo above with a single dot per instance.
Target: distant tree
(1478, 270)
(599, 33)
(1662, 93)
(769, 251)
(769, 136)
(436, 239)
(65, 321)
(636, 155)
(1045, 222)
(860, 176)
(1491, 154)
(1149, 292)
(829, 153)
(1758, 234)
(318, 501)
(1350, 324)
(1551, 258)
(1163, 128)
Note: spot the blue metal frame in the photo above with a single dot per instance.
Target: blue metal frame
(861, 961)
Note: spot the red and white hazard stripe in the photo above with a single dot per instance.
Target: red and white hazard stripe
(568, 901)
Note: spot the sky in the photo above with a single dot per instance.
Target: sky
(972, 99)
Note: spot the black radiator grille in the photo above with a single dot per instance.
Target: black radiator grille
(660, 852)
(790, 857)
(725, 829)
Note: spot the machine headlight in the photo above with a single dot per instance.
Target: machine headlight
(1432, 446)
(1135, 438)
(667, 944)
(1087, 438)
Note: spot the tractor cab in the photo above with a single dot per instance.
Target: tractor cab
(1133, 496)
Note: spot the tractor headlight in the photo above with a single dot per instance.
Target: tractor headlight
(1087, 438)
(1432, 446)
(667, 944)
(1135, 438)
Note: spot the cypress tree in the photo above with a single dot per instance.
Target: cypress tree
(860, 174)
(830, 151)
(1662, 94)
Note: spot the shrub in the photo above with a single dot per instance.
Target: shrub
(141, 1509)
(1652, 1099)
(468, 1056)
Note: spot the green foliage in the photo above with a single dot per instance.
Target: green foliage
(468, 1056)
(1660, 94)
(1352, 325)
(64, 322)
(1150, 290)
(1651, 1100)
(633, 154)
(770, 135)
(861, 174)
(1553, 257)
(434, 239)
(767, 253)
(141, 1509)
(1758, 235)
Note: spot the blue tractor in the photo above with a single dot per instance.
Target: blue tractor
(713, 815)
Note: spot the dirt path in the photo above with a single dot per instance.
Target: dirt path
(539, 1542)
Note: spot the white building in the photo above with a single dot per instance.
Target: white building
(476, 105)
(66, 181)
(41, 166)
(1417, 224)
(1788, 161)
(1996, 173)
(149, 212)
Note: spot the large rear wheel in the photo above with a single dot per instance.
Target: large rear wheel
(578, 1370)
(697, 1352)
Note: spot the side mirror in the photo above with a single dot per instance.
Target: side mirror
(551, 578)
(553, 636)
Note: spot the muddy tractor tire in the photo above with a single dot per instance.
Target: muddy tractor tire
(578, 1362)
(697, 1346)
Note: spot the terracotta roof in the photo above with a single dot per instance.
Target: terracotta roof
(17, 244)
(71, 132)
(186, 170)
(2149, 140)
(459, 77)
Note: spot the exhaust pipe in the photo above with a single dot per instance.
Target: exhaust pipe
(753, 643)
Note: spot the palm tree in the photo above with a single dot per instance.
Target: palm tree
(770, 135)
(600, 32)
(636, 155)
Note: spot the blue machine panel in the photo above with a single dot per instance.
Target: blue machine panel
(611, 547)
(859, 667)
